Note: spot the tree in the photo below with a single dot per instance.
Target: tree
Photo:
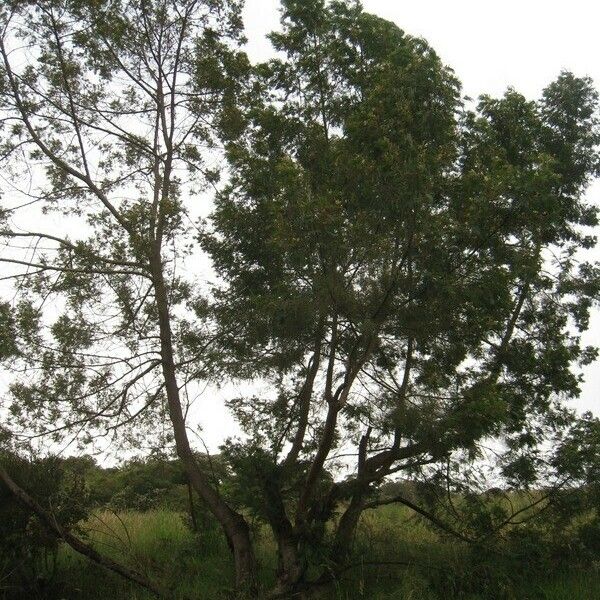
(112, 109)
(403, 268)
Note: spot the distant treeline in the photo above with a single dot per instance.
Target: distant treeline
(139, 484)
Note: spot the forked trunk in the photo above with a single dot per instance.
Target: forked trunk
(290, 570)
(342, 544)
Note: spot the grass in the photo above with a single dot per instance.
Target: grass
(157, 543)
(199, 566)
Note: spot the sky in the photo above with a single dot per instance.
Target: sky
(490, 44)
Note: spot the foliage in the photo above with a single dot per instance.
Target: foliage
(153, 483)
(404, 270)
(28, 552)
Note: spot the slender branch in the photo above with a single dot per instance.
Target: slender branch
(425, 513)
(304, 399)
(45, 267)
(71, 246)
(59, 162)
(78, 545)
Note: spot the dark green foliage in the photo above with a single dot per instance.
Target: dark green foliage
(404, 269)
(159, 483)
(139, 485)
(318, 218)
(28, 551)
(145, 484)
(8, 334)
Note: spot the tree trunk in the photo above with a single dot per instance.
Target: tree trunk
(342, 544)
(234, 525)
(290, 569)
(192, 507)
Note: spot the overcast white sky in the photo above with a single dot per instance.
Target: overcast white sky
(491, 45)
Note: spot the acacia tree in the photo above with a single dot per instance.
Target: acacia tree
(402, 268)
(109, 112)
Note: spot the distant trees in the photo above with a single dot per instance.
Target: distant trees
(401, 269)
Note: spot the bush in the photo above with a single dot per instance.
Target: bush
(27, 550)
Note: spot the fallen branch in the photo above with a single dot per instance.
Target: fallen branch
(78, 545)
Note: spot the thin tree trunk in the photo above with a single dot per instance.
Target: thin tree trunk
(234, 525)
(192, 508)
(346, 529)
(290, 570)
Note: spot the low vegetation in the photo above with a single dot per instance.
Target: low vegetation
(397, 557)
(140, 514)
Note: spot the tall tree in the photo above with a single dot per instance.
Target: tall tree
(109, 112)
(403, 269)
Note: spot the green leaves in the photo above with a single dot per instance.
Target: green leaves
(71, 335)
(371, 211)
(578, 456)
(8, 334)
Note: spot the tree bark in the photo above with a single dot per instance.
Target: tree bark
(290, 568)
(344, 534)
(192, 507)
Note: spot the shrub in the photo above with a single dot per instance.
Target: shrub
(27, 550)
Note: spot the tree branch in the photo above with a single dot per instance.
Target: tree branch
(74, 542)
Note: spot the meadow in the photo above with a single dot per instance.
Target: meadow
(396, 557)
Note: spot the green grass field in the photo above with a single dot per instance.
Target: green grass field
(198, 566)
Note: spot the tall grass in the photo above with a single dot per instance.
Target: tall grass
(157, 543)
(397, 558)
